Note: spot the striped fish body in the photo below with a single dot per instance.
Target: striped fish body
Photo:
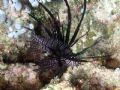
(52, 45)
(53, 63)
(55, 47)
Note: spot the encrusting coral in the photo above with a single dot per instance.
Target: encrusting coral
(86, 77)
(20, 77)
(111, 47)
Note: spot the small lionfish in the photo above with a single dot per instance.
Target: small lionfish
(58, 43)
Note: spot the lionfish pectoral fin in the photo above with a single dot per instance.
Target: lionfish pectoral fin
(85, 49)
(57, 27)
(79, 24)
(41, 24)
(79, 38)
(69, 22)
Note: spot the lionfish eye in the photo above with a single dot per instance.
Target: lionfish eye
(72, 57)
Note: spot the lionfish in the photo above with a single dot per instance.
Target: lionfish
(57, 42)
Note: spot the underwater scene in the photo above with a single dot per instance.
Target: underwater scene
(59, 44)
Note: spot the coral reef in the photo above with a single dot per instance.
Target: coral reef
(19, 77)
(110, 10)
(111, 47)
(101, 20)
(88, 76)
